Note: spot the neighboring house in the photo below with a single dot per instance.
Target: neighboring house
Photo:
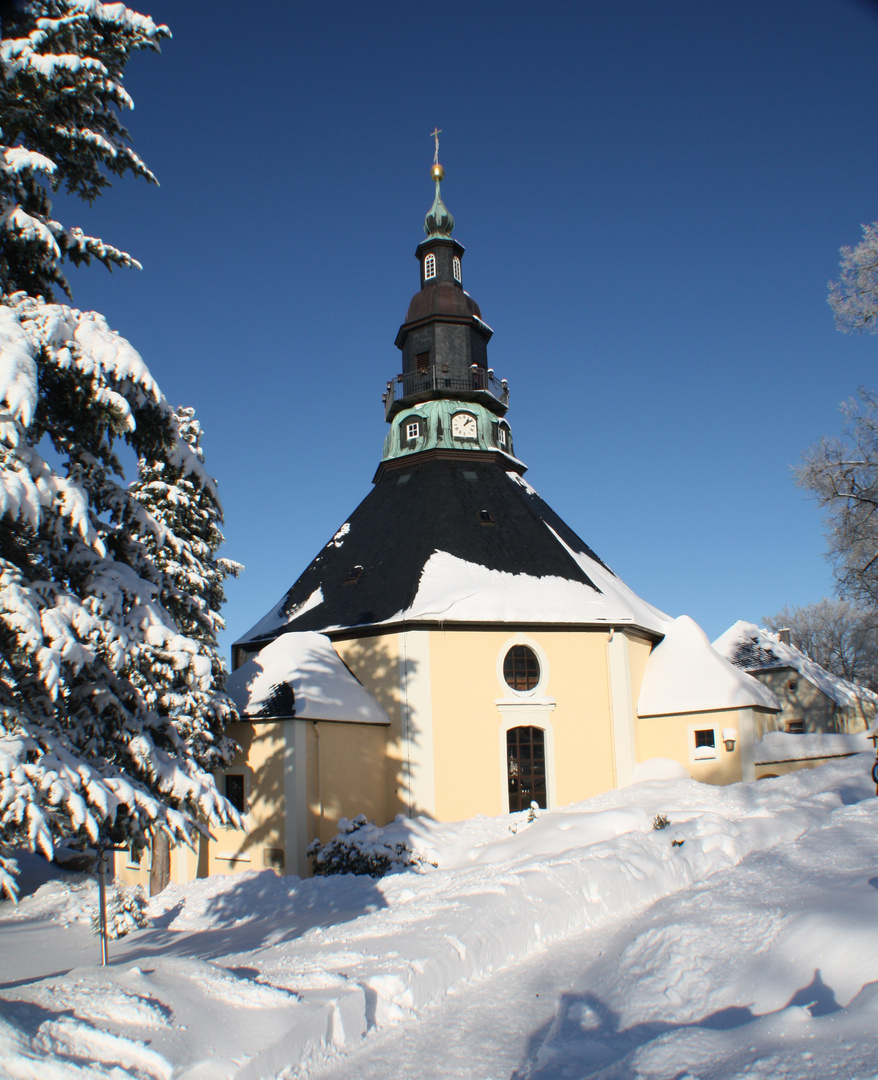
(456, 648)
(821, 715)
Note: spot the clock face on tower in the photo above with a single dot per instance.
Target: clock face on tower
(463, 426)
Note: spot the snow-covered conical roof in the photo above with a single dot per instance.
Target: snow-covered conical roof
(684, 674)
(302, 675)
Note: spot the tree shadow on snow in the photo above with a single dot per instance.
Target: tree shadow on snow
(253, 911)
(584, 1037)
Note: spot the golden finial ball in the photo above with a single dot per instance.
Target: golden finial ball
(437, 172)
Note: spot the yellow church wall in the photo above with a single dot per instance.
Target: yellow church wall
(639, 649)
(375, 660)
(260, 761)
(345, 764)
(472, 707)
(673, 737)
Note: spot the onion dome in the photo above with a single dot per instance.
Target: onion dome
(438, 221)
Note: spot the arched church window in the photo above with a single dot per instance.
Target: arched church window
(521, 668)
(429, 267)
(526, 767)
(456, 265)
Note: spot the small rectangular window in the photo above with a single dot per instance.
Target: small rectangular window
(501, 436)
(705, 738)
(422, 361)
(456, 268)
(468, 475)
(795, 727)
(412, 430)
(429, 267)
(486, 517)
(404, 479)
(235, 790)
(353, 575)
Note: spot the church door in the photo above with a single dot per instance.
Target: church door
(526, 765)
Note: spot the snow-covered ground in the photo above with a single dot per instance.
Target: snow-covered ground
(585, 944)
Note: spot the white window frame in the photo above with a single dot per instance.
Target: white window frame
(429, 267)
(502, 436)
(456, 267)
(413, 429)
(699, 755)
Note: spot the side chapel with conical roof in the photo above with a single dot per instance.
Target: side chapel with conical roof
(456, 648)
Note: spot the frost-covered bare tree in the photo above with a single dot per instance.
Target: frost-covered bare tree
(841, 636)
(854, 297)
(94, 746)
(842, 474)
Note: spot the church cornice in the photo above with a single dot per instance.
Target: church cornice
(473, 457)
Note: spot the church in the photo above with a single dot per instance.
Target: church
(456, 648)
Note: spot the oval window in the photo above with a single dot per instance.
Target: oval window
(521, 668)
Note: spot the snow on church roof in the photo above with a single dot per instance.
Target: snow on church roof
(755, 649)
(302, 675)
(684, 673)
(451, 540)
(458, 591)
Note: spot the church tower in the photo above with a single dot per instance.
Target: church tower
(446, 397)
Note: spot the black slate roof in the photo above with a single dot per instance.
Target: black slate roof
(473, 509)
(751, 656)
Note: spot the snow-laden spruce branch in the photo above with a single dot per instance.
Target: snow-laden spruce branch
(61, 96)
(112, 712)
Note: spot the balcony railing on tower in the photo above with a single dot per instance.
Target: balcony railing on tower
(467, 385)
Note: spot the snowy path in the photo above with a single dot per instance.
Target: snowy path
(756, 972)
(479, 1032)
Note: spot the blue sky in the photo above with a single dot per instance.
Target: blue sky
(651, 195)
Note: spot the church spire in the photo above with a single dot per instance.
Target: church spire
(438, 221)
(446, 399)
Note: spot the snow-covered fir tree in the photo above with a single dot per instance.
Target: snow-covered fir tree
(99, 738)
(192, 575)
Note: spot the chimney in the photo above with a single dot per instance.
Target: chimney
(784, 635)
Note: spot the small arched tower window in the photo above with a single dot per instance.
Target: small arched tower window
(456, 265)
(429, 266)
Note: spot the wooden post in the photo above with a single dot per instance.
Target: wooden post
(102, 901)
(160, 868)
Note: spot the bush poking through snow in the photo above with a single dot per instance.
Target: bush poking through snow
(533, 812)
(126, 911)
(359, 847)
(660, 822)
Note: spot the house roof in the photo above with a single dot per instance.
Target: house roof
(684, 673)
(454, 538)
(302, 675)
(753, 648)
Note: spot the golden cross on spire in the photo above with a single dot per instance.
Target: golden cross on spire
(434, 134)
